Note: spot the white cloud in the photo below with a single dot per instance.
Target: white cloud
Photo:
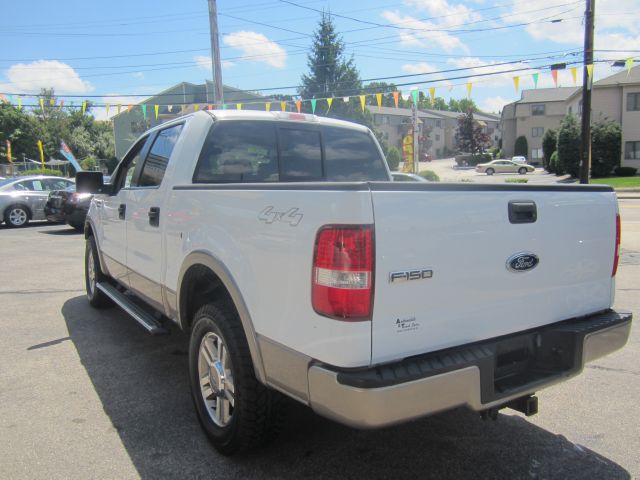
(204, 62)
(138, 75)
(256, 47)
(31, 77)
(494, 104)
(421, 33)
(447, 13)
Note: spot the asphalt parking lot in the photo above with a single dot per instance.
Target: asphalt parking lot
(88, 394)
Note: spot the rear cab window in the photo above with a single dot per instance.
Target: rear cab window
(243, 151)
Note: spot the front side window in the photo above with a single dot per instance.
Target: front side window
(633, 102)
(239, 151)
(537, 109)
(158, 158)
(632, 150)
(300, 154)
(124, 177)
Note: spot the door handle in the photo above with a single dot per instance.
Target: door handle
(522, 211)
(154, 216)
(122, 210)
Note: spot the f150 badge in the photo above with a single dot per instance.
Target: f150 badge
(410, 275)
(521, 262)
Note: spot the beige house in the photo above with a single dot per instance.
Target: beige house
(616, 97)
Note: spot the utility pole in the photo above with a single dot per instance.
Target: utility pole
(587, 83)
(218, 95)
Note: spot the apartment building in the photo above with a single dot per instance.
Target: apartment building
(489, 123)
(616, 98)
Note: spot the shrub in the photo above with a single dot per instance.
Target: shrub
(429, 175)
(495, 152)
(521, 147)
(40, 171)
(393, 158)
(554, 166)
(516, 180)
(606, 147)
(549, 143)
(625, 171)
(568, 147)
(473, 160)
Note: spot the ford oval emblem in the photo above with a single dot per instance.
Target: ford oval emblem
(523, 261)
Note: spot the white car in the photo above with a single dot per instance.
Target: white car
(519, 159)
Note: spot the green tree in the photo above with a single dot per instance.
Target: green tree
(463, 105)
(439, 103)
(21, 129)
(549, 142)
(521, 147)
(569, 146)
(606, 147)
(393, 158)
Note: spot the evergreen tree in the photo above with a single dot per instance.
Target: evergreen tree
(549, 143)
(569, 146)
(521, 147)
(606, 147)
(470, 137)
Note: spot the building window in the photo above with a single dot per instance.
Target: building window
(570, 110)
(633, 102)
(536, 153)
(632, 150)
(538, 109)
(537, 131)
(439, 123)
(437, 138)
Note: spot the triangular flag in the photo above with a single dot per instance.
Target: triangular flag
(345, 99)
(42, 104)
(535, 77)
(363, 101)
(313, 105)
(119, 108)
(574, 74)
(224, 106)
(432, 94)
(629, 65)
(396, 96)
(379, 99)
(169, 107)
(107, 105)
(590, 71)
(144, 111)
(129, 107)
(156, 108)
(469, 87)
(52, 101)
(554, 75)
(61, 103)
(209, 107)
(298, 105)
(238, 106)
(516, 83)
(329, 102)
(267, 106)
(414, 96)
(84, 106)
(196, 107)
(283, 105)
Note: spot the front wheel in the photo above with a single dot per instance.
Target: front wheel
(16, 216)
(522, 171)
(235, 410)
(490, 171)
(93, 275)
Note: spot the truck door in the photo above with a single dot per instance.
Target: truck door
(113, 211)
(144, 225)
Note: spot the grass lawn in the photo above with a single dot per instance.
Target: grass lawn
(618, 182)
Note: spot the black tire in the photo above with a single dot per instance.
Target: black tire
(490, 171)
(522, 170)
(92, 275)
(254, 411)
(78, 227)
(17, 216)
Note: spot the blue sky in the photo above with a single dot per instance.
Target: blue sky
(141, 47)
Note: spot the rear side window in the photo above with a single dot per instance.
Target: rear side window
(158, 158)
(300, 154)
(239, 152)
(351, 156)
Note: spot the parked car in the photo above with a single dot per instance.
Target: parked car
(68, 206)
(407, 177)
(22, 199)
(503, 166)
(519, 159)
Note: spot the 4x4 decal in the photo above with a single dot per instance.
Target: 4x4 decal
(291, 216)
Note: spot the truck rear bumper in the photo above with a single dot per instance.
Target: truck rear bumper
(480, 376)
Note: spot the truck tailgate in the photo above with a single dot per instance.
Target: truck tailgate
(460, 239)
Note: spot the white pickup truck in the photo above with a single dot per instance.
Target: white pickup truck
(278, 241)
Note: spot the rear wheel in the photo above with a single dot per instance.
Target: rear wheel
(235, 410)
(93, 275)
(16, 216)
(490, 171)
(522, 171)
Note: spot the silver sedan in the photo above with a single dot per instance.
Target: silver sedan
(23, 198)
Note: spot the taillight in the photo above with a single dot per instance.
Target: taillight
(343, 273)
(616, 256)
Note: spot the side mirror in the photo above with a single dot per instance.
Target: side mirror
(91, 182)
